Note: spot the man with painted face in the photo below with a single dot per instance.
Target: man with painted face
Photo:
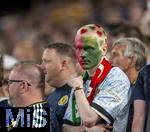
(99, 99)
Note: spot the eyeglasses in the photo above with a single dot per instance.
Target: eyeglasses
(8, 82)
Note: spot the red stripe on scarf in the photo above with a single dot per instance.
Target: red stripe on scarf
(98, 77)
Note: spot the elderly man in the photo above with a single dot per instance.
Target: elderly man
(130, 55)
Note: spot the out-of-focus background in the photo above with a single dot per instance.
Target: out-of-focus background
(27, 25)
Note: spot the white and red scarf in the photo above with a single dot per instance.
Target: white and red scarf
(99, 75)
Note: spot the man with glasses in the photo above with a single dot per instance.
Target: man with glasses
(26, 89)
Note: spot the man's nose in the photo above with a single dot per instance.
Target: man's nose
(83, 54)
(111, 59)
(42, 66)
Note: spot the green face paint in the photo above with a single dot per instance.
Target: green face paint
(88, 52)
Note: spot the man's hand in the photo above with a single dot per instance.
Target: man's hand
(99, 128)
(75, 81)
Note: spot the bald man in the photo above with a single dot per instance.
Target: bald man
(26, 89)
(99, 99)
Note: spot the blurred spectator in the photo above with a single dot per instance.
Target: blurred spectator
(130, 55)
(145, 29)
(126, 29)
(136, 10)
(8, 63)
(51, 21)
(145, 24)
(27, 50)
(147, 43)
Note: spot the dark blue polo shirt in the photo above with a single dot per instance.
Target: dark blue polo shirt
(58, 100)
(143, 83)
(135, 95)
(4, 103)
(143, 86)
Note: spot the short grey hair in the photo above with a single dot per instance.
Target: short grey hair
(134, 48)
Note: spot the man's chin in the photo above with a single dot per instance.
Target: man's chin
(46, 79)
(10, 102)
(49, 82)
(84, 67)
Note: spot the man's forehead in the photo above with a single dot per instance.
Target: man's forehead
(46, 53)
(119, 47)
(49, 51)
(90, 40)
(49, 54)
(13, 74)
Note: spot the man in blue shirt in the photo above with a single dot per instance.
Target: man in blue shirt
(143, 87)
(59, 64)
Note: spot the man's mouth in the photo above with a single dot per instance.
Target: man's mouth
(84, 62)
(45, 72)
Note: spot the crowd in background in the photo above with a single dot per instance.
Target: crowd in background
(23, 35)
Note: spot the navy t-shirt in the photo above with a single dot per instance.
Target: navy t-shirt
(4, 103)
(58, 100)
(143, 86)
(136, 95)
(143, 83)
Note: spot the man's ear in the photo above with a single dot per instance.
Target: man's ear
(132, 62)
(24, 87)
(104, 49)
(64, 64)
